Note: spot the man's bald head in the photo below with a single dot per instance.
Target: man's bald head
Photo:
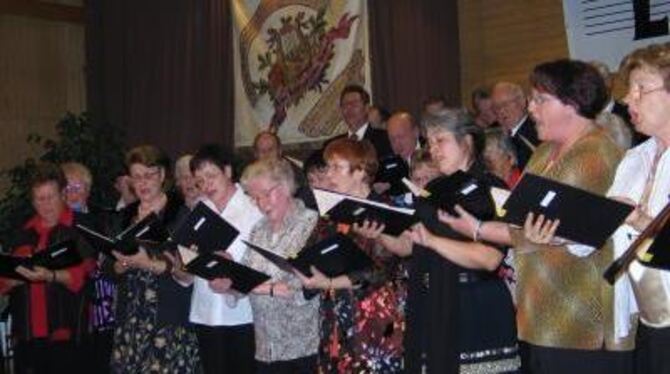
(509, 104)
(403, 134)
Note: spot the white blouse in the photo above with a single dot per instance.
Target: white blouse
(629, 182)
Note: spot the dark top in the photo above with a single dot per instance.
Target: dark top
(441, 298)
(65, 309)
(526, 134)
(174, 300)
(377, 137)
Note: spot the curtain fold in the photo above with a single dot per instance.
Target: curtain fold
(160, 70)
(415, 52)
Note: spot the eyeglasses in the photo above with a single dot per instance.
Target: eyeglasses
(639, 90)
(75, 188)
(504, 104)
(263, 195)
(337, 167)
(146, 177)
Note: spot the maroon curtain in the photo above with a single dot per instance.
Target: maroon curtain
(415, 52)
(161, 70)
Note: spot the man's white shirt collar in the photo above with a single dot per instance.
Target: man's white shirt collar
(360, 133)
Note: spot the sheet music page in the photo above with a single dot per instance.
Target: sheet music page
(500, 196)
(326, 200)
(187, 255)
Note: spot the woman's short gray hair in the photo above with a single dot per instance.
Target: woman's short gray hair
(279, 171)
(497, 137)
(459, 123)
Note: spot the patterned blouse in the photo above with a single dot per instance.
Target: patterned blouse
(286, 328)
(362, 329)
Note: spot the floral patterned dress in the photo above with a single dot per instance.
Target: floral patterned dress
(140, 344)
(362, 329)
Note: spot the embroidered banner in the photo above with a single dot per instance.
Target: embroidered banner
(607, 30)
(292, 59)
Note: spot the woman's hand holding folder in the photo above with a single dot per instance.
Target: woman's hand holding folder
(222, 285)
(464, 223)
(37, 274)
(639, 218)
(369, 229)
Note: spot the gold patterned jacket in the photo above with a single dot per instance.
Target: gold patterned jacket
(563, 300)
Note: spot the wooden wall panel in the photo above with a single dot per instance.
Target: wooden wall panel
(42, 75)
(504, 39)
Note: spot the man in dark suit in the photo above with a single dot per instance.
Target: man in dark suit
(404, 137)
(510, 106)
(354, 103)
(482, 108)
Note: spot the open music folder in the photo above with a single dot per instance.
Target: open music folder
(444, 193)
(585, 217)
(658, 254)
(205, 229)
(348, 209)
(333, 256)
(209, 265)
(392, 170)
(125, 242)
(58, 256)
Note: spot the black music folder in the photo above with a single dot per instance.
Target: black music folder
(586, 218)
(348, 209)
(447, 191)
(392, 170)
(59, 256)
(127, 241)
(333, 256)
(205, 229)
(658, 254)
(209, 265)
(463, 189)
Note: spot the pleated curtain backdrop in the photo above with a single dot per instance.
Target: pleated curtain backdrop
(162, 69)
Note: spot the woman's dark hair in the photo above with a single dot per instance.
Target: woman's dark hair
(356, 88)
(149, 156)
(215, 154)
(46, 172)
(315, 161)
(574, 83)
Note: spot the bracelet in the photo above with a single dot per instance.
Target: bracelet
(272, 290)
(477, 232)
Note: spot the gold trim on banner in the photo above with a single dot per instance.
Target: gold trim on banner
(252, 29)
(324, 116)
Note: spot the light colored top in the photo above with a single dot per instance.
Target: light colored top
(286, 328)
(214, 309)
(630, 181)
